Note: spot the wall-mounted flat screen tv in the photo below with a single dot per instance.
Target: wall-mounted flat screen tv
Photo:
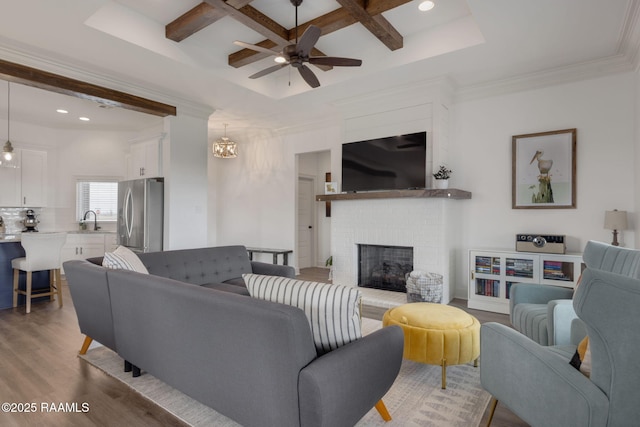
(391, 163)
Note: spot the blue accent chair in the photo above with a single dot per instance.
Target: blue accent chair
(545, 313)
(538, 384)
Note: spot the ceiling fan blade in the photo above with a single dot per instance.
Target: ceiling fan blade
(335, 61)
(308, 76)
(256, 48)
(268, 70)
(308, 40)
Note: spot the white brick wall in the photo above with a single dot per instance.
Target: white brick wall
(421, 223)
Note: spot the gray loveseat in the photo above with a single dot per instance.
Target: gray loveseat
(251, 360)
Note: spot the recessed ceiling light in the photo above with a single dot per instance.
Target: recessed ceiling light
(61, 111)
(84, 119)
(426, 5)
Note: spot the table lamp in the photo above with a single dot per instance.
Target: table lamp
(615, 220)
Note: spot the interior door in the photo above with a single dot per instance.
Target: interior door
(306, 202)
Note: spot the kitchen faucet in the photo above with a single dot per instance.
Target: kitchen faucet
(95, 220)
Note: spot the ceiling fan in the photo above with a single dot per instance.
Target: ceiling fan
(297, 54)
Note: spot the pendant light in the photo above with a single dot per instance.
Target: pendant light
(8, 157)
(224, 147)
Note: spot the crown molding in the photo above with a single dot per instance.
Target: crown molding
(629, 41)
(572, 73)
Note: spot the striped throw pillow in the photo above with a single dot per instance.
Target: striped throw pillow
(115, 261)
(333, 311)
(125, 259)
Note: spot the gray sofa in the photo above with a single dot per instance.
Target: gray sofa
(251, 360)
(219, 268)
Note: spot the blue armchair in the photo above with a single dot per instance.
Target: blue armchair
(545, 313)
(539, 385)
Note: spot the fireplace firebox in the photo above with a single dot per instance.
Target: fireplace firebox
(384, 267)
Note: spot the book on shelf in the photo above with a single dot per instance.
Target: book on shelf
(488, 287)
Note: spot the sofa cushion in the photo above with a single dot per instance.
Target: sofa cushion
(199, 266)
(125, 259)
(333, 311)
(226, 287)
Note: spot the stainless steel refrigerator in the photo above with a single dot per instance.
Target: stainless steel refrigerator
(140, 214)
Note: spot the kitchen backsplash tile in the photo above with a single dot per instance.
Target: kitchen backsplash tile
(51, 219)
(13, 217)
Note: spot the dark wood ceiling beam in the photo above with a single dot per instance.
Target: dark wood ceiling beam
(193, 21)
(254, 19)
(328, 23)
(56, 83)
(377, 25)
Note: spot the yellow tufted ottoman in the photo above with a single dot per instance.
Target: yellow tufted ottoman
(436, 334)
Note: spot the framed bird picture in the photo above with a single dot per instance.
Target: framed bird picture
(544, 170)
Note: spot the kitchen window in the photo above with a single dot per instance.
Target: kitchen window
(100, 196)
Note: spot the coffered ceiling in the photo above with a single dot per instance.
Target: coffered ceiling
(478, 45)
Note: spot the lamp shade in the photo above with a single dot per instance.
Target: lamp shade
(615, 220)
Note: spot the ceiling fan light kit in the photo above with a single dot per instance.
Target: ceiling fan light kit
(297, 54)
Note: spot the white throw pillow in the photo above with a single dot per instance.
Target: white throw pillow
(124, 258)
(333, 311)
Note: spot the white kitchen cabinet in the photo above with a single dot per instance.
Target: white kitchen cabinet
(25, 186)
(493, 273)
(10, 187)
(145, 160)
(34, 178)
(83, 246)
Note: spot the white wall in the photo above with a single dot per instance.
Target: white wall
(602, 110)
(255, 193)
(185, 154)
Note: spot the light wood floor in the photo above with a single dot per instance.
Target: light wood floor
(39, 365)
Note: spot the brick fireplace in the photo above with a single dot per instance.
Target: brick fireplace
(430, 226)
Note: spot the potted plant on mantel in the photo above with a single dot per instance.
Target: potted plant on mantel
(442, 177)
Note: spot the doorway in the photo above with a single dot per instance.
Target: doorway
(313, 226)
(306, 223)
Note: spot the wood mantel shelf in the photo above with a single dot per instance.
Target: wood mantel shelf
(449, 193)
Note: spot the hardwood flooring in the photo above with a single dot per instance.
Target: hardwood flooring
(39, 365)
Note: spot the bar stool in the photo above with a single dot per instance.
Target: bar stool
(42, 252)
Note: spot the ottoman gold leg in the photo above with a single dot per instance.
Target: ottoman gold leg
(444, 374)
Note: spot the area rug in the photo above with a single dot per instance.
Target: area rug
(415, 399)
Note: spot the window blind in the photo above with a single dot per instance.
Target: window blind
(98, 196)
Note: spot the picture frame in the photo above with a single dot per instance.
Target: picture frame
(543, 171)
(331, 187)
